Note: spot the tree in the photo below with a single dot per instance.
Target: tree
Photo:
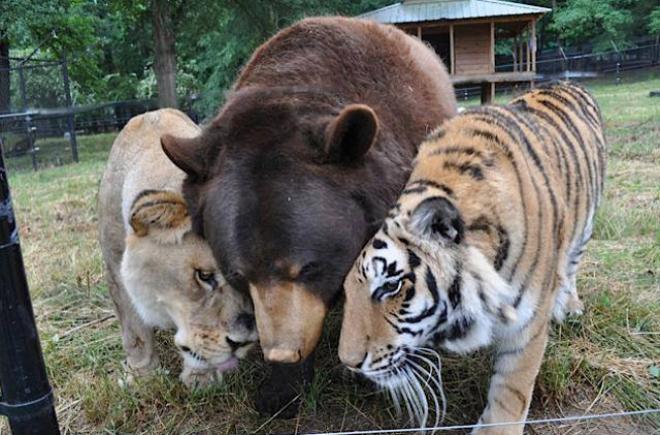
(654, 21)
(164, 53)
(222, 39)
(601, 22)
(5, 87)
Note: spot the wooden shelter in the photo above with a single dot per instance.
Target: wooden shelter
(464, 33)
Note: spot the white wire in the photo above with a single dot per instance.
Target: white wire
(508, 423)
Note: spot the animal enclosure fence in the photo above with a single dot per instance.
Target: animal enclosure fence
(573, 64)
(32, 86)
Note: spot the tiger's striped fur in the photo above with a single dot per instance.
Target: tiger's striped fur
(482, 248)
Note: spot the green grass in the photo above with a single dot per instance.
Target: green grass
(606, 360)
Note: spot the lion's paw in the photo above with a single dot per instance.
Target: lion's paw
(198, 379)
(130, 373)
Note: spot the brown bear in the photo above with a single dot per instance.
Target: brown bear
(299, 168)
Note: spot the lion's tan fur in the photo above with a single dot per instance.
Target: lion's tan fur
(151, 256)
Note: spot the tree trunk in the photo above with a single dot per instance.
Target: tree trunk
(5, 96)
(164, 53)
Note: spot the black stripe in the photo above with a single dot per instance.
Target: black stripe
(459, 328)
(502, 252)
(481, 223)
(416, 189)
(430, 183)
(581, 142)
(454, 291)
(567, 143)
(507, 117)
(473, 170)
(471, 151)
(544, 136)
(522, 139)
(413, 260)
(403, 330)
(491, 119)
(595, 125)
(442, 318)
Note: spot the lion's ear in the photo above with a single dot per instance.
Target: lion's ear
(160, 213)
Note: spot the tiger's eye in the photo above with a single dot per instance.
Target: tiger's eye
(392, 286)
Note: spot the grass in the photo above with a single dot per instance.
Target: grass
(606, 360)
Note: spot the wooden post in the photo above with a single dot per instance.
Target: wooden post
(452, 68)
(529, 57)
(419, 32)
(492, 46)
(514, 52)
(487, 92)
(534, 45)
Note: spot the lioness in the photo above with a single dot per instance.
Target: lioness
(160, 274)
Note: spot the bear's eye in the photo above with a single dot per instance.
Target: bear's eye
(310, 270)
(206, 277)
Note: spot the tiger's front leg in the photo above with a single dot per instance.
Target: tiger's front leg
(517, 362)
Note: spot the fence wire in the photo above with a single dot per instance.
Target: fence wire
(555, 420)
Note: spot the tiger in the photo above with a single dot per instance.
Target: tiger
(481, 249)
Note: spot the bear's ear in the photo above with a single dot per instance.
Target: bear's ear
(160, 213)
(350, 135)
(437, 218)
(191, 155)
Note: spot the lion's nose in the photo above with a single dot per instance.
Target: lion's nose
(246, 320)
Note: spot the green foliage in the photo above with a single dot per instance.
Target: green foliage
(604, 23)
(654, 21)
(109, 43)
(240, 26)
(601, 21)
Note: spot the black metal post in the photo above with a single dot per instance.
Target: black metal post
(27, 399)
(71, 125)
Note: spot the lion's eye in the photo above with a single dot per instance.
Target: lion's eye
(206, 277)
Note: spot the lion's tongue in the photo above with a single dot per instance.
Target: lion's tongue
(230, 364)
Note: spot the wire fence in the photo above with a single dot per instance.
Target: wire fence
(40, 125)
(463, 427)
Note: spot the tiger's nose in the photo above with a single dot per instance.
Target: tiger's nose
(352, 360)
(235, 345)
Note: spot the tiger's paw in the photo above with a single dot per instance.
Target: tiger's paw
(574, 305)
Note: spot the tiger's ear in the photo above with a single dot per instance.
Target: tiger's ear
(350, 135)
(191, 155)
(161, 214)
(437, 217)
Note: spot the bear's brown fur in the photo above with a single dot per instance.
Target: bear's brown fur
(303, 161)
